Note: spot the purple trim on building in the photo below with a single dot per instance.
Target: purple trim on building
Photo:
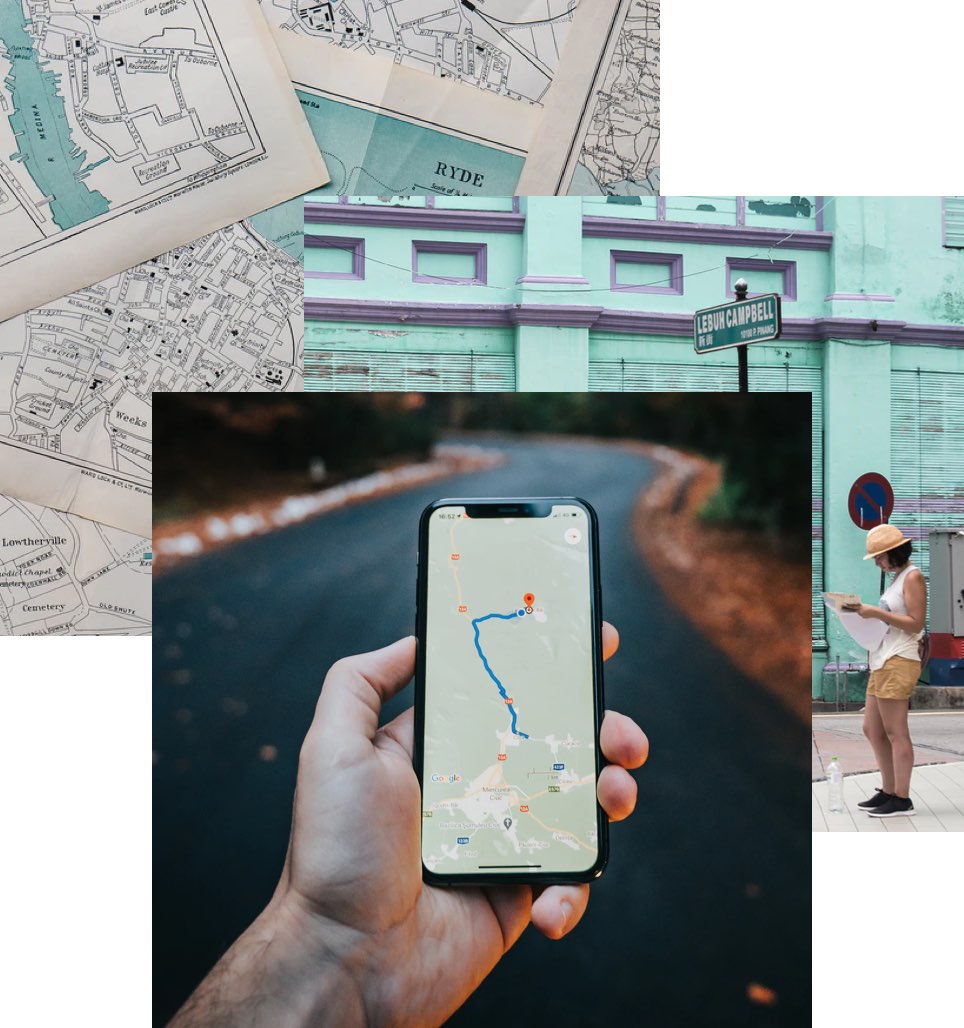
(821, 202)
(554, 315)
(876, 297)
(476, 250)
(645, 323)
(572, 280)
(751, 264)
(660, 208)
(672, 262)
(515, 205)
(355, 246)
(414, 217)
(680, 232)
(556, 280)
(741, 211)
(405, 312)
(615, 320)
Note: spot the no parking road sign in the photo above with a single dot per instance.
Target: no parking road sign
(871, 500)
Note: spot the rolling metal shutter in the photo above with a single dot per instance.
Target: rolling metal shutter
(635, 376)
(374, 371)
(954, 221)
(927, 454)
(622, 375)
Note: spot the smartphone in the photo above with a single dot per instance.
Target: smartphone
(509, 691)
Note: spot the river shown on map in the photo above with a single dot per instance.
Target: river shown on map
(39, 121)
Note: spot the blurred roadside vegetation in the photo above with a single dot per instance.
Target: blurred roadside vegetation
(216, 451)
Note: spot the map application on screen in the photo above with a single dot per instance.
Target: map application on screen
(509, 765)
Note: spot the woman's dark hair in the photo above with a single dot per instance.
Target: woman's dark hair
(899, 555)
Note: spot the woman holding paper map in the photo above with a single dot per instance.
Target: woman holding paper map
(894, 669)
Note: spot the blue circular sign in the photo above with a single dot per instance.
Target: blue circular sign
(871, 501)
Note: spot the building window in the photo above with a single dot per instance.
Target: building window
(334, 257)
(764, 276)
(954, 221)
(632, 271)
(447, 263)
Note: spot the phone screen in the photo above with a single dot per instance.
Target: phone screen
(509, 760)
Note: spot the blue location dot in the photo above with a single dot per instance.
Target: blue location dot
(521, 613)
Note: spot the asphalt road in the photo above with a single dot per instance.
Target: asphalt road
(708, 886)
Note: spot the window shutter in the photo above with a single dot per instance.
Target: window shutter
(376, 371)
(954, 221)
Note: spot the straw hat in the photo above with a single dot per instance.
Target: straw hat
(883, 538)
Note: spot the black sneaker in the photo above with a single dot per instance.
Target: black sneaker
(894, 807)
(879, 797)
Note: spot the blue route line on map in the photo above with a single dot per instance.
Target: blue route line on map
(490, 672)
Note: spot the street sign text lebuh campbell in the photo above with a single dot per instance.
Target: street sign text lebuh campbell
(735, 324)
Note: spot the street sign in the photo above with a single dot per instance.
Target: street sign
(738, 323)
(871, 501)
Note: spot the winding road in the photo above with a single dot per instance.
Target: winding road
(707, 892)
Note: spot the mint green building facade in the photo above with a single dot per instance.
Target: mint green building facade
(575, 293)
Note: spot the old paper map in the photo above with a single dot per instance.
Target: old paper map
(453, 140)
(63, 575)
(120, 122)
(506, 47)
(223, 313)
(600, 133)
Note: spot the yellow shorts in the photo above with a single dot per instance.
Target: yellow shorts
(895, 680)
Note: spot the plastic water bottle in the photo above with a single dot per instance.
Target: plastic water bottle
(835, 778)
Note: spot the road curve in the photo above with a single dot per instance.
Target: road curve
(708, 886)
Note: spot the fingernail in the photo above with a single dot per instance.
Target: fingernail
(567, 914)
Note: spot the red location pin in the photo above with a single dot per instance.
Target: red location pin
(528, 599)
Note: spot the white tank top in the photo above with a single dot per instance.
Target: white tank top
(897, 642)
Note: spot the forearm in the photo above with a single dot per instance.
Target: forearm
(280, 975)
(905, 622)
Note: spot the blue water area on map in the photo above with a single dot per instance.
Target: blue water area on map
(39, 121)
(284, 226)
(372, 154)
(490, 672)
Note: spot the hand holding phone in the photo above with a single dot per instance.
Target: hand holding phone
(352, 929)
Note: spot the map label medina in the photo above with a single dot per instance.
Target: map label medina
(735, 324)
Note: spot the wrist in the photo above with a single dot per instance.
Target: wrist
(290, 968)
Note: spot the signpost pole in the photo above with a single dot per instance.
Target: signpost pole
(740, 287)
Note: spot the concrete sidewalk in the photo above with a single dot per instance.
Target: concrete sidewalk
(936, 789)
(937, 785)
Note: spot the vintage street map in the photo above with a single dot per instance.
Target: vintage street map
(600, 132)
(221, 314)
(507, 47)
(63, 575)
(457, 120)
(372, 150)
(120, 122)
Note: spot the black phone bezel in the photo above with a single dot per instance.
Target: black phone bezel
(531, 506)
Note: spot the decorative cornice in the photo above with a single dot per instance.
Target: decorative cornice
(413, 217)
(554, 315)
(874, 297)
(681, 232)
(612, 319)
(382, 311)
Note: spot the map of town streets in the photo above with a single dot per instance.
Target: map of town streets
(121, 122)
(63, 575)
(620, 150)
(223, 313)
